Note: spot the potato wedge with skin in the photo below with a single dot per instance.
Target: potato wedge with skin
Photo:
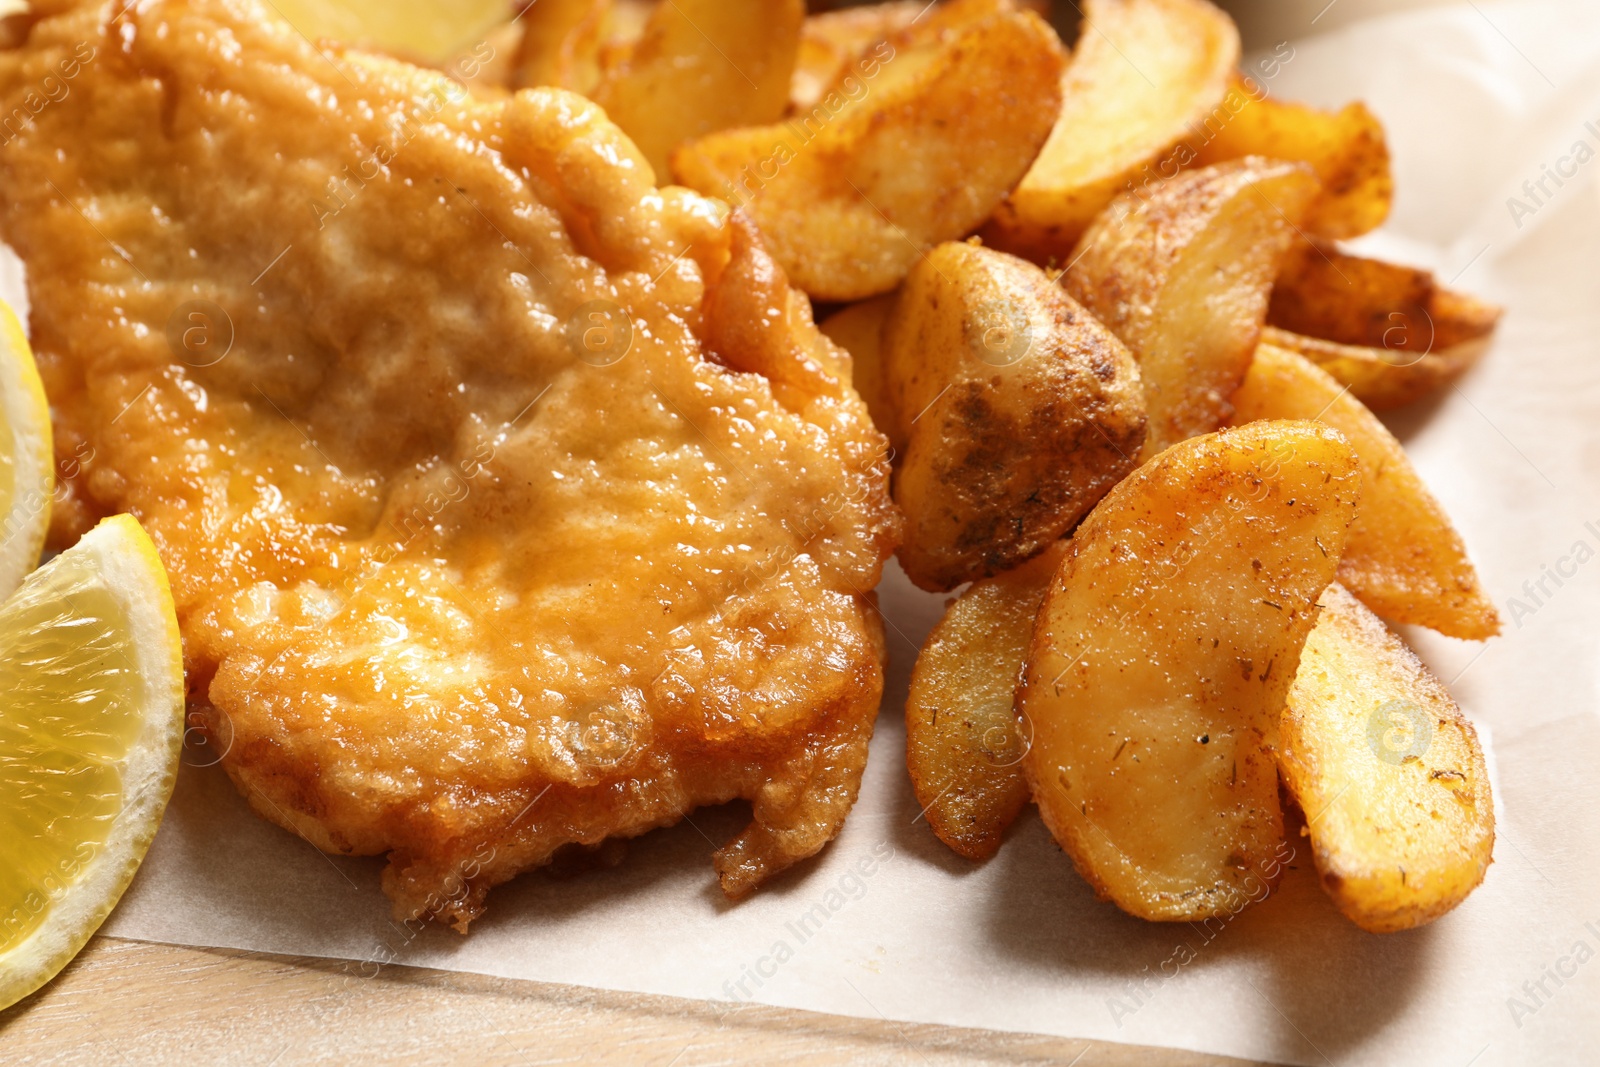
(1322, 292)
(858, 329)
(1378, 377)
(1183, 278)
(914, 145)
(1404, 559)
(1019, 412)
(701, 66)
(1162, 657)
(963, 741)
(560, 45)
(1388, 771)
(1144, 75)
(832, 40)
(1347, 148)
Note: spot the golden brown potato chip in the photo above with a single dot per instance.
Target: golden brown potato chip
(963, 744)
(1378, 377)
(1388, 771)
(1346, 148)
(1144, 75)
(701, 66)
(1404, 559)
(858, 329)
(1162, 657)
(1019, 411)
(915, 144)
(1183, 277)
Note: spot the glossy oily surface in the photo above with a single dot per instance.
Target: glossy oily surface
(509, 502)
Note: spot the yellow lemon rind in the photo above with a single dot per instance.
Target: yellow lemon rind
(128, 566)
(25, 418)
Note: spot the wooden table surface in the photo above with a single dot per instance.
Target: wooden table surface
(132, 1002)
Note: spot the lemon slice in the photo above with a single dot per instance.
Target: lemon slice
(91, 722)
(27, 473)
(431, 30)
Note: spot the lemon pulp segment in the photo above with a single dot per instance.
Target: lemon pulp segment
(90, 725)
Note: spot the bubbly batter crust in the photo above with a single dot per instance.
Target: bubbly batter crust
(465, 573)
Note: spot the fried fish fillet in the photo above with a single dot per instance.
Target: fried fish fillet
(509, 501)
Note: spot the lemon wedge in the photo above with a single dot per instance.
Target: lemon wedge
(431, 30)
(91, 724)
(27, 473)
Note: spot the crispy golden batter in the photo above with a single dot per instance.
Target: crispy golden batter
(509, 502)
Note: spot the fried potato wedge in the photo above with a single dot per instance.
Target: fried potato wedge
(1391, 333)
(858, 329)
(1144, 75)
(1019, 412)
(914, 145)
(833, 40)
(1388, 771)
(1378, 377)
(1404, 559)
(701, 66)
(1324, 293)
(1162, 657)
(1183, 277)
(1346, 148)
(963, 741)
(560, 46)
(423, 31)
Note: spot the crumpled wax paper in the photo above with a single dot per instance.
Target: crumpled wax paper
(1483, 103)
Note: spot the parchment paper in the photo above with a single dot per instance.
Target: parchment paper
(1478, 99)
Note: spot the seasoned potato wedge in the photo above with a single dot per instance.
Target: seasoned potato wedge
(701, 66)
(1018, 409)
(1183, 278)
(914, 145)
(1347, 148)
(1404, 559)
(833, 40)
(1379, 377)
(858, 329)
(1322, 292)
(560, 45)
(1144, 75)
(1388, 771)
(963, 744)
(1163, 654)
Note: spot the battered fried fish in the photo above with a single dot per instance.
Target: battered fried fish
(509, 501)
